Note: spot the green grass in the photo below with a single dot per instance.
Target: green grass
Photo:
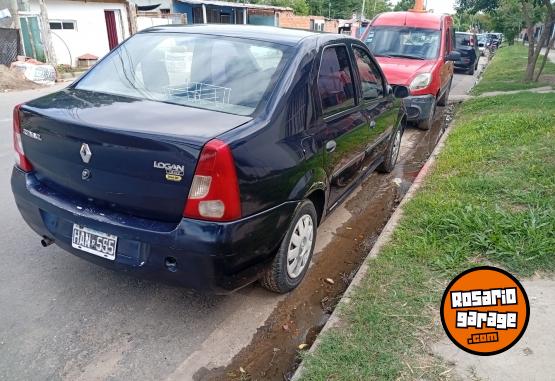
(506, 71)
(490, 199)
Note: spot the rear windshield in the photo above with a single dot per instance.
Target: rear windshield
(463, 39)
(404, 42)
(211, 72)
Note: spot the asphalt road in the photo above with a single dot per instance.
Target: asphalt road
(64, 318)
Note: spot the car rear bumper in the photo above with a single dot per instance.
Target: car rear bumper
(218, 257)
(465, 63)
(419, 107)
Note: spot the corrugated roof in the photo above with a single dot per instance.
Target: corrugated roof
(235, 5)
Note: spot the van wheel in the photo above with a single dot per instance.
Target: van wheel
(291, 262)
(392, 151)
(471, 70)
(428, 123)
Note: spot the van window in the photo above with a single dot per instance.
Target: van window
(404, 42)
(335, 80)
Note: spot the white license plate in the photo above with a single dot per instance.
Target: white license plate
(94, 242)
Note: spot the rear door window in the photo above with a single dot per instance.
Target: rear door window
(370, 77)
(463, 40)
(335, 80)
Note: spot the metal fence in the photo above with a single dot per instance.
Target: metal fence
(9, 45)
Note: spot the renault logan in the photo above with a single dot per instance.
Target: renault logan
(206, 156)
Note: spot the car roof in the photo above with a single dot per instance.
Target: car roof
(254, 32)
(410, 19)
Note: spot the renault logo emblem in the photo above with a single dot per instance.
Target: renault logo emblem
(86, 153)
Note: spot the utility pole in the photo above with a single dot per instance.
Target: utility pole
(45, 31)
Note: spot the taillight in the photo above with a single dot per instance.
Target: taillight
(20, 159)
(214, 193)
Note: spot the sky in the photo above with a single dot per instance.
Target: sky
(439, 6)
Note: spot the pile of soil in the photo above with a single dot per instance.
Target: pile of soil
(13, 80)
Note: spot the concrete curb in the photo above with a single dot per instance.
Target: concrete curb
(383, 238)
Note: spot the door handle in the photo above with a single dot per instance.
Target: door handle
(330, 146)
(373, 124)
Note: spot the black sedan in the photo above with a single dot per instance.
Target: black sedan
(467, 45)
(206, 156)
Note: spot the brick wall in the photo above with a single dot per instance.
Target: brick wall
(303, 22)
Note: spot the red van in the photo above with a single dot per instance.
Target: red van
(417, 50)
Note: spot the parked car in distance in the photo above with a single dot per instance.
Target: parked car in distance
(207, 155)
(467, 46)
(482, 41)
(416, 50)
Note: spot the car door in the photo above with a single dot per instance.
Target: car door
(377, 105)
(342, 123)
(447, 67)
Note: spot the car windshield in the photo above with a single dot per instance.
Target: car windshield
(404, 42)
(212, 72)
(481, 38)
(463, 39)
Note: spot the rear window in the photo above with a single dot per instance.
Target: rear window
(463, 40)
(211, 72)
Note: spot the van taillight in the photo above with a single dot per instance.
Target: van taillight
(20, 159)
(214, 193)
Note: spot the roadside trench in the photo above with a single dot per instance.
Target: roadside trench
(273, 353)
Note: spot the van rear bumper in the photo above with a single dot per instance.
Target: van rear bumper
(212, 256)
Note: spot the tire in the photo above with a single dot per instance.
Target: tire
(428, 123)
(471, 70)
(284, 274)
(392, 151)
(443, 100)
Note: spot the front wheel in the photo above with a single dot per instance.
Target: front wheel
(291, 262)
(429, 121)
(392, 152)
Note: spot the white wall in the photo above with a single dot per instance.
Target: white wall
(90, 35)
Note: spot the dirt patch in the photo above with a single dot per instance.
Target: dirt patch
(12, 80)
(273, 354)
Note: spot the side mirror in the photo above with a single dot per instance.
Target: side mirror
(401, 92)
(389, 90)
(453, 56)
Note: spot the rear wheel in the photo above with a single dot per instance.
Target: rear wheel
(427, 124)
(392, 152)
(290, 264)
(471, 70)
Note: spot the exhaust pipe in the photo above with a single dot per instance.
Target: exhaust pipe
(46, 241)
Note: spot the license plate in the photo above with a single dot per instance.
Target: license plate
(94, 242)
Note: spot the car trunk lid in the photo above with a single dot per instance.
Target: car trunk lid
(134, 156)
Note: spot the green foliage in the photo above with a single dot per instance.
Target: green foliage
(508, 19)
(474, 6)
(404, 5)
(344, 9)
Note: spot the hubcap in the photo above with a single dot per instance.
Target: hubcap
(396, 147)
(300, 246)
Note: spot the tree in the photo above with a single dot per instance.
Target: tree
(508, 19)
(475, 6)
(530, 9)
(404, 5)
